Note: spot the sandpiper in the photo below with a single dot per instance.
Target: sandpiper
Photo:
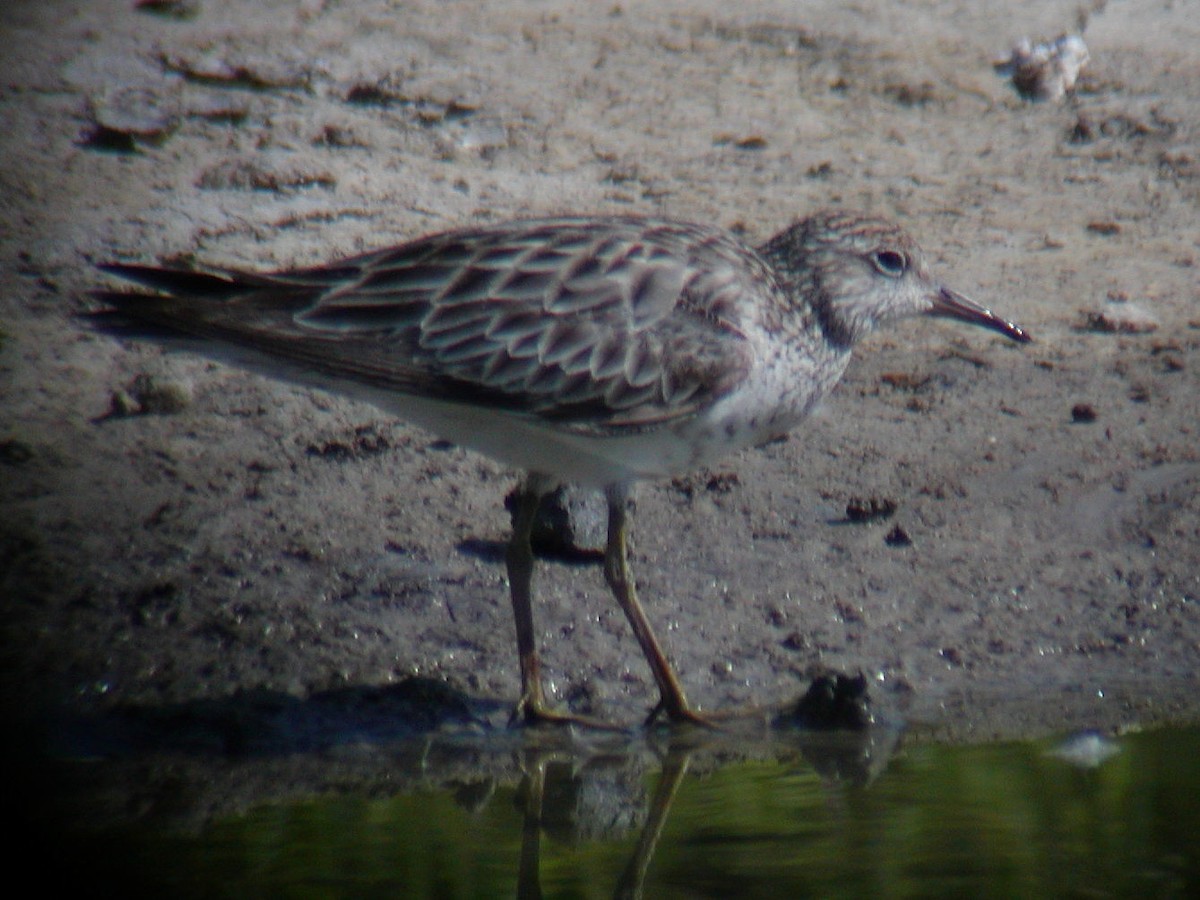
(594, 350)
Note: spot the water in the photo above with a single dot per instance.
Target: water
(1095, 817)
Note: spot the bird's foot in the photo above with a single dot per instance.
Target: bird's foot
(534, 711)
(681, 714)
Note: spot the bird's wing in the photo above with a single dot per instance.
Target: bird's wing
(597, 324)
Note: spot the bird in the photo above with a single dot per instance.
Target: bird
(601, 351)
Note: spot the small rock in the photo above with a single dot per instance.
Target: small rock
(149, 395)
(1119, 318)
(1083, 412)
(161, 396)
(833, 701)
(1045, 71)
(571, 521)
(869, 509)
(170, 9)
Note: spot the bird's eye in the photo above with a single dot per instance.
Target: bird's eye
(889, 262)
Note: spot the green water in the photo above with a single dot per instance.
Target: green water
(1005, 820)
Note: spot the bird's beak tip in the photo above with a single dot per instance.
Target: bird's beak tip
(950, 304)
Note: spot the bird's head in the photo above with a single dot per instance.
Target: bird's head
(858, 272)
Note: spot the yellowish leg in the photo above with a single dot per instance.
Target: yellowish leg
(519, 563)
(620, 580)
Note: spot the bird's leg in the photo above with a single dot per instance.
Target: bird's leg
(518, 560)
(620, 580)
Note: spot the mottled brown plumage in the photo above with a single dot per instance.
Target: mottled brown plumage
(596, 350)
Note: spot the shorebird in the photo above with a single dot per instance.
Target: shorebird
(596, 350)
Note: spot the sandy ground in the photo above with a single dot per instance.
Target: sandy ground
(247, 538)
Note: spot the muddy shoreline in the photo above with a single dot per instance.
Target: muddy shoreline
(225, 535)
